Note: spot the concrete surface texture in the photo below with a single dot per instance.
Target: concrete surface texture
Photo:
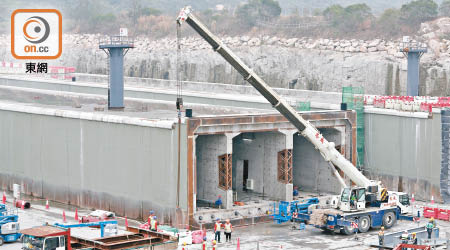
(89, 163)
(311, 171)
(404, 153)
(261, 154)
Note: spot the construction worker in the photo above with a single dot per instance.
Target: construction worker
(414, 238)
(353, 200)
(228, 228)
(184, 246)
(150, 218)
(404, 237)
(204, 244)
(154, 224)
(214, 247)
(218, 202)
(381, 236)
(217, 229)
(430, 225)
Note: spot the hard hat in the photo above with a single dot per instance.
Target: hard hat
(217, 219)
(154, 217)
(204, 238)
(431, 219)
(414, 233)
(214, 242)
(184, 243)
(152, 212)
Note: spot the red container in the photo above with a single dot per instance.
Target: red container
(19, 204)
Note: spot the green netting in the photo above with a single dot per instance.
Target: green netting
(354, 98)
(303, 106)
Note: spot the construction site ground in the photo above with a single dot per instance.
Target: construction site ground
(269, 235)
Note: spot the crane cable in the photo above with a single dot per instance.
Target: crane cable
(179, 105)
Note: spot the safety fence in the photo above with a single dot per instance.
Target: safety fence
(436, 213)
(408, 103)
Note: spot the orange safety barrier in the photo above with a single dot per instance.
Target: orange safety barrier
(443, 214)
(429, 212)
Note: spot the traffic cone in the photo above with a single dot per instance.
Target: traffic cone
(238, 245)
(126, 222)
(23, 205)
(64, 216)
(412, 198)
(76, 214)
(46, 205)
(4, 198)
(432, 199)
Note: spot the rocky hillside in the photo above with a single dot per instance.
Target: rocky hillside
(301, 63)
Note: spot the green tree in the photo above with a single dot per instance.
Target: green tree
(258, 9)
(444, 9)
(419, 11)
(389, 22)
(350, 18)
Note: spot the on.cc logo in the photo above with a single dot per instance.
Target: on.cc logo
(37, 25)
(36, 34)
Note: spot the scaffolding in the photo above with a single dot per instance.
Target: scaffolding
(354, 98)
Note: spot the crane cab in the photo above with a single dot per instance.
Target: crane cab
(46, 237)
(353, 199)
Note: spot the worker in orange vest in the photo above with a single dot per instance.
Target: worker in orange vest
(204, 244)
(154, 224)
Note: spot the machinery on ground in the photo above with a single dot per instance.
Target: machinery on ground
(289, 211)
(102, 224)
(46, 237)
(98, 215)
(366, 201)
(9, 225)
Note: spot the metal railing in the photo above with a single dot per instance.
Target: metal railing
(412, 46)
(117, 40)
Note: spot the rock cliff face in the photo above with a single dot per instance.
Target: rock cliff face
(300, 63)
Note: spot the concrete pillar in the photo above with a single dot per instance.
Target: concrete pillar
(115, 93)
(228, 200)
(289, 144)
(413, 74)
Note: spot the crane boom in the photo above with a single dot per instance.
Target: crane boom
(306, 129)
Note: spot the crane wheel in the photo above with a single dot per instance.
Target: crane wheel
(389, 219)
(364, 224)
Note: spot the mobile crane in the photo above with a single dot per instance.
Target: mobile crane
(354, 199)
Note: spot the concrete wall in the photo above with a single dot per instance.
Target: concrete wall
(311, 171)
(208, 149)
(404, 152)
(120, 167)
(262, 156)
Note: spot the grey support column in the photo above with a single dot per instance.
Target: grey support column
(116, 47)
(413, 51)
